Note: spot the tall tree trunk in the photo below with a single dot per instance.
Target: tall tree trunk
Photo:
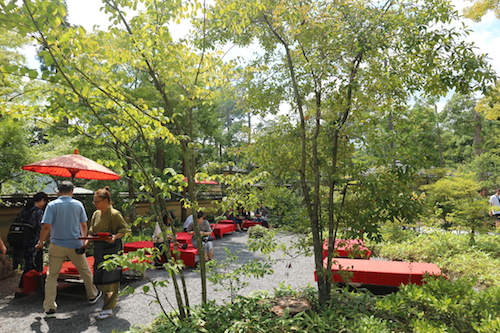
(438, 132)
(249, 128)
(311, 200)
(478, 135)
(132, 213)
(390, 127)
(160, 163)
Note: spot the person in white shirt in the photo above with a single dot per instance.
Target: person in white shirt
(188, 221)
(205, 232)
(495, 206)
(158, 238)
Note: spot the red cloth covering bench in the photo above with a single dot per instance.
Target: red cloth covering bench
(183, 237)
(247, 224)
(380, 272)
(221, 229)
(348, 248)
(227, 222)
(67, 271)
(30, 280)
(188, 255)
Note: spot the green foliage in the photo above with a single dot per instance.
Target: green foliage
(13, 147)
(461, 126)
(394, 233)
(484, 165)
(473, 264)
(452, 253)
(439, 305)
(140, 92)
(456, 200)
(286, 208)
(240, 190)
(349, 312)
(384, 195)
(428, 247)
(228, 275)
(261, 239)
(397, 133)
(332, 62)
(479, 8)
(489, 244)
(443, 305)
(11, 86)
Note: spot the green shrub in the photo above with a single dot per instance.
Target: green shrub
(467, 302)
(489, 244)
(427, 247)
(286, 209)
(441, 305)
(453, 254)
(473, 264)
(394, 233)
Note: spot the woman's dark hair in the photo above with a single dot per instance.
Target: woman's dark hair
(30, 203)
(39, 196)
(167, 218)
(200, 214)
(104, 193)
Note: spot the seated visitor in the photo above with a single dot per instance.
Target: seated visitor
(261, 215)
(206, 232)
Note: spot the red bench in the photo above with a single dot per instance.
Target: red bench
(227, 222)
(379, 272)
(67, 271)
(183, 237)
(348, 248)
(188, 255)
(221, 229)
(248, 224)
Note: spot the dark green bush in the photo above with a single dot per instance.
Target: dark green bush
(454, 306)
(440, 305)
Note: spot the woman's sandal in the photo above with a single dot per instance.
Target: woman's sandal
(103, 315)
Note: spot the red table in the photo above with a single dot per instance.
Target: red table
(348, 248)
(221, 229)
(247, 224)
(134, 246)
(188, 255)
(380, 272)
(183, 237)
(227, 222)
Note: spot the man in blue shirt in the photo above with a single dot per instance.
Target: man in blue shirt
(65, 219)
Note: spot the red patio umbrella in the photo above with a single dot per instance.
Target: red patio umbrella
(74, 166)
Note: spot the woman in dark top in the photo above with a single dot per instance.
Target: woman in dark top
(32, 258)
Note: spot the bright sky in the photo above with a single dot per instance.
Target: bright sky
(484, 34)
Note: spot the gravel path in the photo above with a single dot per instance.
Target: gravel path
(75, 315)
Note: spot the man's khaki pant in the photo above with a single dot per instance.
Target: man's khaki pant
(57, 255)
